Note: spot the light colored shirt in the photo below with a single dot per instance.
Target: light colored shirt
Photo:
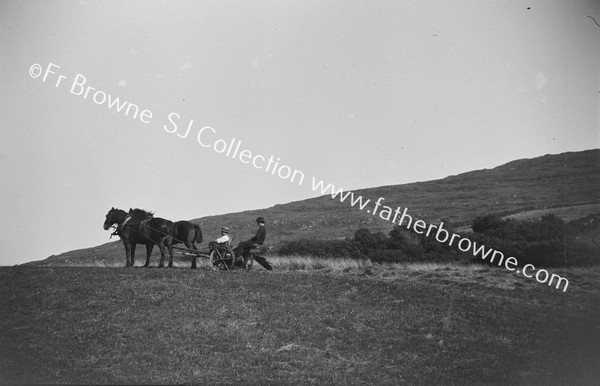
(223, 239)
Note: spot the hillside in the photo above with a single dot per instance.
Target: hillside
(568, 180)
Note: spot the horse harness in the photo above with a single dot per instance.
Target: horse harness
(119, 227)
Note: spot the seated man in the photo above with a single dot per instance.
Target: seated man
(221, 244)
(224, 239)
(245, 246)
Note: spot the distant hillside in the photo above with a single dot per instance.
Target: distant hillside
(549, 182)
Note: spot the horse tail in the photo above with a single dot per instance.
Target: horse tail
(171, 229)
(198, 238)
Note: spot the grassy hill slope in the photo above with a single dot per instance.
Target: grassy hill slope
(570, 181)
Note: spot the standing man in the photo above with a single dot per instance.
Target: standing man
(244, 246)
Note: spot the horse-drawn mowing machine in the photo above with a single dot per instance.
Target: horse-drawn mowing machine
(220, 256)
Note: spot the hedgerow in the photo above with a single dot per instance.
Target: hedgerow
(547, 242)
(398, 246)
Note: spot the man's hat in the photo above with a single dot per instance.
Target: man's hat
(225, 230)
(260, 220)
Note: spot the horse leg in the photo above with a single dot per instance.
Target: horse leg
(127, 252)
(170, 249)
(133, 254)
(192, 246)
(162, 255)
(149, 248)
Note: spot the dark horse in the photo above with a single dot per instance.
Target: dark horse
(187, 233)
(141, 227)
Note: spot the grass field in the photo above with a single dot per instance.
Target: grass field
(338, 323)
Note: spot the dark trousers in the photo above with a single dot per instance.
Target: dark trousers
(245, 246)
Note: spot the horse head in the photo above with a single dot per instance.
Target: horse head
(114, 216)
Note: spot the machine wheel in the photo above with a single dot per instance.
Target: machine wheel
(222, 258)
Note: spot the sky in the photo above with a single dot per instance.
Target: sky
(356, 93)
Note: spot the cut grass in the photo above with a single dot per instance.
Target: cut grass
(293, 263)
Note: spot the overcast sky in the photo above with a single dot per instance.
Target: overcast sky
(357, 93)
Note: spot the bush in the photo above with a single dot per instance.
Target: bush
(368, 241)
(547, 253)
(489, 222)
(581, 252)
(545, 242)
